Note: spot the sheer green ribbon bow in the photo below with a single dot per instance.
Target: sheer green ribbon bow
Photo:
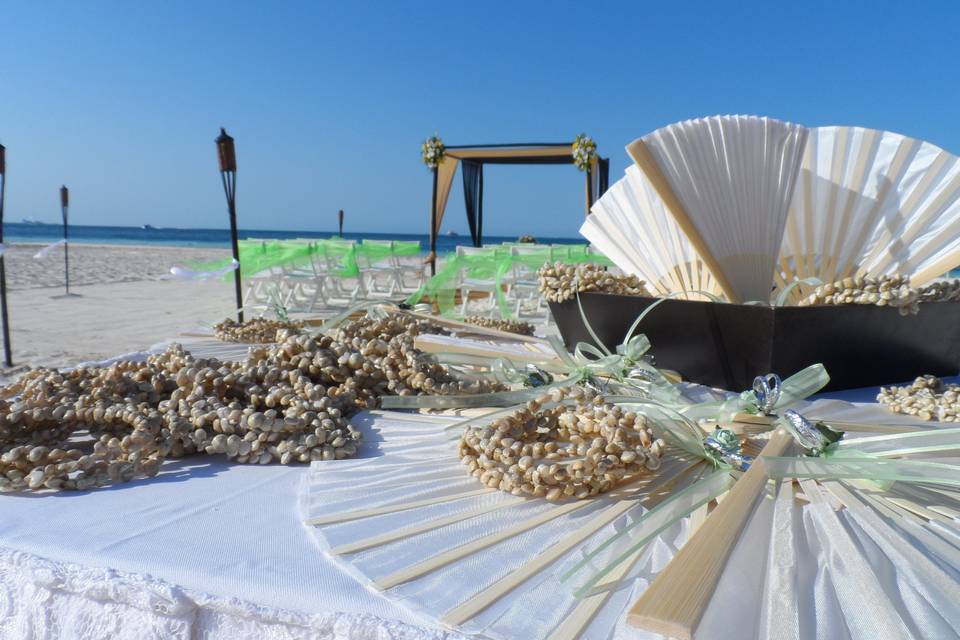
(871, 458)
(721, 448)
(768, 396)
(585, 364)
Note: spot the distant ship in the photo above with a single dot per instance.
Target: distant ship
(149, 227)
(452, 234)
(32, 221)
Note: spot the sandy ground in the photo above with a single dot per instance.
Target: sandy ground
(98, 264)
(118, 303)
(98, 321)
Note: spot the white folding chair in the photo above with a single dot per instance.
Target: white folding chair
(417, 269)
(466, 285)
(340, 287)
(525, 287)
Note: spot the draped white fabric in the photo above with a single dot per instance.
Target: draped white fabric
(42, 599)
(204, 550)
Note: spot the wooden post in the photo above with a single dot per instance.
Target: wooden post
(226, 153)
(589, 189)
(433, 227)
(64, 209)
(480, 210)
(7, 357)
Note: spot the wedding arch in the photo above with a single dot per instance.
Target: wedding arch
(443, 162)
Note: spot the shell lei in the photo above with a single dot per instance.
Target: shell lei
(285, 403)
(560, 282)
(511, 326)
(256, 331)
(883, 291)
(555, 450)
(928, 398)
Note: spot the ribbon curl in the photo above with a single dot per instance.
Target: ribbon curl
(768, 396)
(40, 255)
(182, 273)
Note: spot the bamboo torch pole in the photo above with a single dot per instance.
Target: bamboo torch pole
(64, 211)
(227, 155)
(7, 357)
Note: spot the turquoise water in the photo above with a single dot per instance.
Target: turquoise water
(46, 233)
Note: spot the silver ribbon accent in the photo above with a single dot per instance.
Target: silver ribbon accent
(645, 375)
(812, 437)
(725, 446)
(596, 385)
(537, 377)
(766, 390)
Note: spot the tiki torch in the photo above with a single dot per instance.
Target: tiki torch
(7, 358)
(64, 209)
(228, 173)
(341, 224)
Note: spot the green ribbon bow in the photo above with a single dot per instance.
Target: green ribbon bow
(869, 458)
(768, 396)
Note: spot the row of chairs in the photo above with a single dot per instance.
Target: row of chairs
(338, 272)
(314, 274)
(518, 284)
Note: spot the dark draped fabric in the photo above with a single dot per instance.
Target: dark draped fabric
(598, 181)
(590, 197)
(473, 198)
(603, 181)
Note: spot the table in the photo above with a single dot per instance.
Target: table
(206, 549)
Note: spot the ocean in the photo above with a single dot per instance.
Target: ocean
(79, 234)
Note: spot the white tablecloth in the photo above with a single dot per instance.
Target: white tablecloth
(205, 550)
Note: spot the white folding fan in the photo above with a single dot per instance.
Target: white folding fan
(414, 525)
(728, 182)
(631, 226)
(872, 202)
(831, 555)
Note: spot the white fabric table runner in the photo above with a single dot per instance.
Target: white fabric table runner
(206, 549)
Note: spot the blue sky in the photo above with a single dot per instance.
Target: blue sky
(330, 101)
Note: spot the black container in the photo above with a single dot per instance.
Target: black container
(726, 345)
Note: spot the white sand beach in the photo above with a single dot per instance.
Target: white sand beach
(117, 304)
(99, 263)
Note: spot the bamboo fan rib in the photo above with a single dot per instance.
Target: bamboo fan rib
(872, 202)
(674, 606)
(631, 225)
(734, 178)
